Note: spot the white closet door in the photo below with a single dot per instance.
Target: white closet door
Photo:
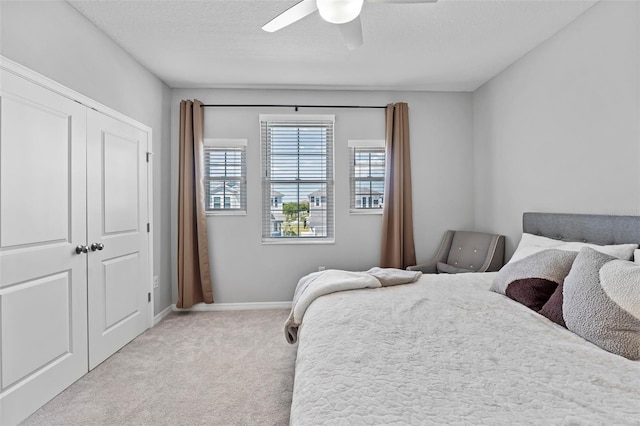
(43, 311)
(117, 234)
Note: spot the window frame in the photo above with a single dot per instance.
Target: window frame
(226, 144)
(373, 145)
(267, 121)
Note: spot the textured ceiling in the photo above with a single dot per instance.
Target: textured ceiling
(449, 45)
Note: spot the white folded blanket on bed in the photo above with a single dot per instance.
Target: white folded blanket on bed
(317, 284)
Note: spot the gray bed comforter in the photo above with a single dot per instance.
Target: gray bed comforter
(446, 350)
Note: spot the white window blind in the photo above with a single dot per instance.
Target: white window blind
(367, 174)
(297, 167)
(225, 176)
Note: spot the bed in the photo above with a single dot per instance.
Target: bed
(447, 350)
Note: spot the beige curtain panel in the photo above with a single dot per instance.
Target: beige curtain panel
(194, 273)
(398, 249)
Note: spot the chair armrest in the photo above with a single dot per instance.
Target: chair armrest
(426, 268)
(495, 255)
(429, 267)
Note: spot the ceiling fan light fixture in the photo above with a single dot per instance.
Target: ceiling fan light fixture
(339, 11)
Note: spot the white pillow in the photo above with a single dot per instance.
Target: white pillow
(530, 244)
(636, 256)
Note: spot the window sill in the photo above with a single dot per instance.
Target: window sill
(226, 213)
(365, 211)
(297, 241)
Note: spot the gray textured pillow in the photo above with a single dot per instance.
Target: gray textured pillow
(445, 268)
(533, 279)
(601, 302)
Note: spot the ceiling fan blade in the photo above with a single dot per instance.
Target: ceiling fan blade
(352, 33)
(402, 1)
(291, 15)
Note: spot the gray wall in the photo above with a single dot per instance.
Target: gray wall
(50, 37)
(558, 130)
(244, 270)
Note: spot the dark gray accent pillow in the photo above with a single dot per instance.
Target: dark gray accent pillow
(533, 279)
(531, 292)
(601, 302)
(445, 268)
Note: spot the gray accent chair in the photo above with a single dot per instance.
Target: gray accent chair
(466, 251)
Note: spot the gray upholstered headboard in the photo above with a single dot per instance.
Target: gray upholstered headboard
(590, 228)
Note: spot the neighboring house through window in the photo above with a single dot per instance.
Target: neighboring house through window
(225, 176)
(297, 170)
(276, 214)
(367, 173)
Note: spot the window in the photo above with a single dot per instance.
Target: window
(297, 167)
(367, 176)
(225, 176)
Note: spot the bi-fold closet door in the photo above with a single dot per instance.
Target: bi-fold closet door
(117, 235)
(74, 247)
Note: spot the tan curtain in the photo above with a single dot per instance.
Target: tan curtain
(398, 250)
(194, 274)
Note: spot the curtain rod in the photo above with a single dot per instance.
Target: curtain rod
(289, 106)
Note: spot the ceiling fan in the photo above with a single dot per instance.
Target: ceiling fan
(344, 13)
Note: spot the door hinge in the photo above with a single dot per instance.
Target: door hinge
(148, 227)
(148, 297)
(149, 154)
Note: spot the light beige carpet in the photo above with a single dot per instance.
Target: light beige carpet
(194, 368)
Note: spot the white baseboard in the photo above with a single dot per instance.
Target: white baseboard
(212, 307)
(166, 311)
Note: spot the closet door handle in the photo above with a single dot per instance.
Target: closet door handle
(82, 249)
(96, 246)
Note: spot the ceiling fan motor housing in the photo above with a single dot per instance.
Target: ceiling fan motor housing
(339, 11)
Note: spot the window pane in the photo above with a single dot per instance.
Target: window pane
(297, 165)
(367, 177)
(225, 175)
(297, 216)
